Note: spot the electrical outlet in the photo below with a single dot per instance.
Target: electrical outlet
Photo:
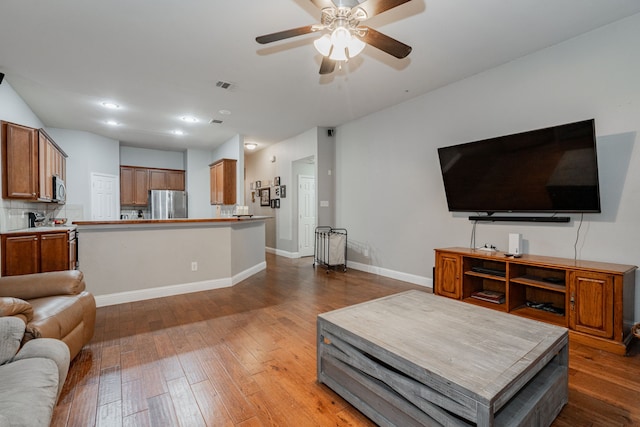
(194, 266)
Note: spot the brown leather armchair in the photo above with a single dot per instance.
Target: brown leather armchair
(54, 305)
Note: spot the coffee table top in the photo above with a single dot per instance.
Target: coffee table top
(475, 350)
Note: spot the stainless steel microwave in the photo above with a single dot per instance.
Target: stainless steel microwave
(59, 190)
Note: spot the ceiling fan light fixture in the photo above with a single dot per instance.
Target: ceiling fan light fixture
(355, 46)
(339, 54)
(340, 37)
(323, 45)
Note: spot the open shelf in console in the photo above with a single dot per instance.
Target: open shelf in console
(485, 283)
(538, 292)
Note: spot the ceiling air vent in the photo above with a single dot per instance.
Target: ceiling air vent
(223, 85)
(215, 122)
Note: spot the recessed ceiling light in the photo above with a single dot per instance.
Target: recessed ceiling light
(177, 132)
(112, 123)
(250, 145)
(189, 119)
(110, 105)
(224, 112)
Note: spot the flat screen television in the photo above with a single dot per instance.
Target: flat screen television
(554, 169)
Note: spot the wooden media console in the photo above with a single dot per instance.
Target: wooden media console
(595, 300)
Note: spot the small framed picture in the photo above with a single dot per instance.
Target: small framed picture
(276, 192)
(275, 203)
(258, 184)
(276, 181)
(283, 191)
(265, 196)
(251, 185)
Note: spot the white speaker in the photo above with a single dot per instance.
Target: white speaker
(515, 243)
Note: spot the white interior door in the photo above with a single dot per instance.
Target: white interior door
(306, 214)
(104, 197)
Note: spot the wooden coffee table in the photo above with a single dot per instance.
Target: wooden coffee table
(415, 359)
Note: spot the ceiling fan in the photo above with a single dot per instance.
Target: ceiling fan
(343, 36)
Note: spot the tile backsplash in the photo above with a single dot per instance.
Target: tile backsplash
(14, 213)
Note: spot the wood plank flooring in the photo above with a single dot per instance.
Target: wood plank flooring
(245, 356)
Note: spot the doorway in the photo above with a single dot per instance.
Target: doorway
(104, 197)
(306, 214)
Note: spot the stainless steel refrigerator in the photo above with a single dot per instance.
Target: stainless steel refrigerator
(167, 204)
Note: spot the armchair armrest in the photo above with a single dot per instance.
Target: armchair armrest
(48, 348)
(39, 285)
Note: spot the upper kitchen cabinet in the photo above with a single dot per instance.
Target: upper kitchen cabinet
(19, 162)
(52, 161)
(134, 186)
(30, 159)
(223, 182)
(135, 183)
(166, 179)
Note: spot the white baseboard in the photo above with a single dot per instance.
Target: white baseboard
(280, 252)
(182, 288)
(248, 273)
(392, 274)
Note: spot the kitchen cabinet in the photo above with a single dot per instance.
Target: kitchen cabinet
(20, 254)
(136, 181)
(166, 179)
(593, 299)
(54, 252)
(30, 159)
(222, 176)
(19, 162)
(134, 186)
(51, 161)
(38, 252)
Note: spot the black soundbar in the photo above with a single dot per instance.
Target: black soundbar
(491, 218)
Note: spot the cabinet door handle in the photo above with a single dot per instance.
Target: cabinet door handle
(572, 300)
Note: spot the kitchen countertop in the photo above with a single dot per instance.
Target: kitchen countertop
(170, 221)
(46, 229)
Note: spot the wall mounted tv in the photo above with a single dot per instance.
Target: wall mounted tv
(552, 170)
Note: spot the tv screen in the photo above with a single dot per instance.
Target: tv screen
(544, 170)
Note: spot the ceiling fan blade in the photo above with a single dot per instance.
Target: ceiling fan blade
(374, 7)
(327, 66)
(281, 35)
(385, 43)
(322, 4)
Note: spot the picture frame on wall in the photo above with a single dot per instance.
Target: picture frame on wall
(258, 184)
(276, 192)
(283, 191)
(265, 197)
(275, 203)
(276, 181)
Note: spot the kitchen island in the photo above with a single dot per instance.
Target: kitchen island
(130, 260)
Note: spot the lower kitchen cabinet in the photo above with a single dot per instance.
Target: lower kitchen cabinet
(38, 252)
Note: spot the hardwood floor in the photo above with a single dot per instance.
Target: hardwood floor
(245, 356)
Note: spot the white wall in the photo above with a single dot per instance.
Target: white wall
(133, 156)
(88, 153)
(13, 213)
(198, 182)
(280, 234)
(14, 109)
(389, 188)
